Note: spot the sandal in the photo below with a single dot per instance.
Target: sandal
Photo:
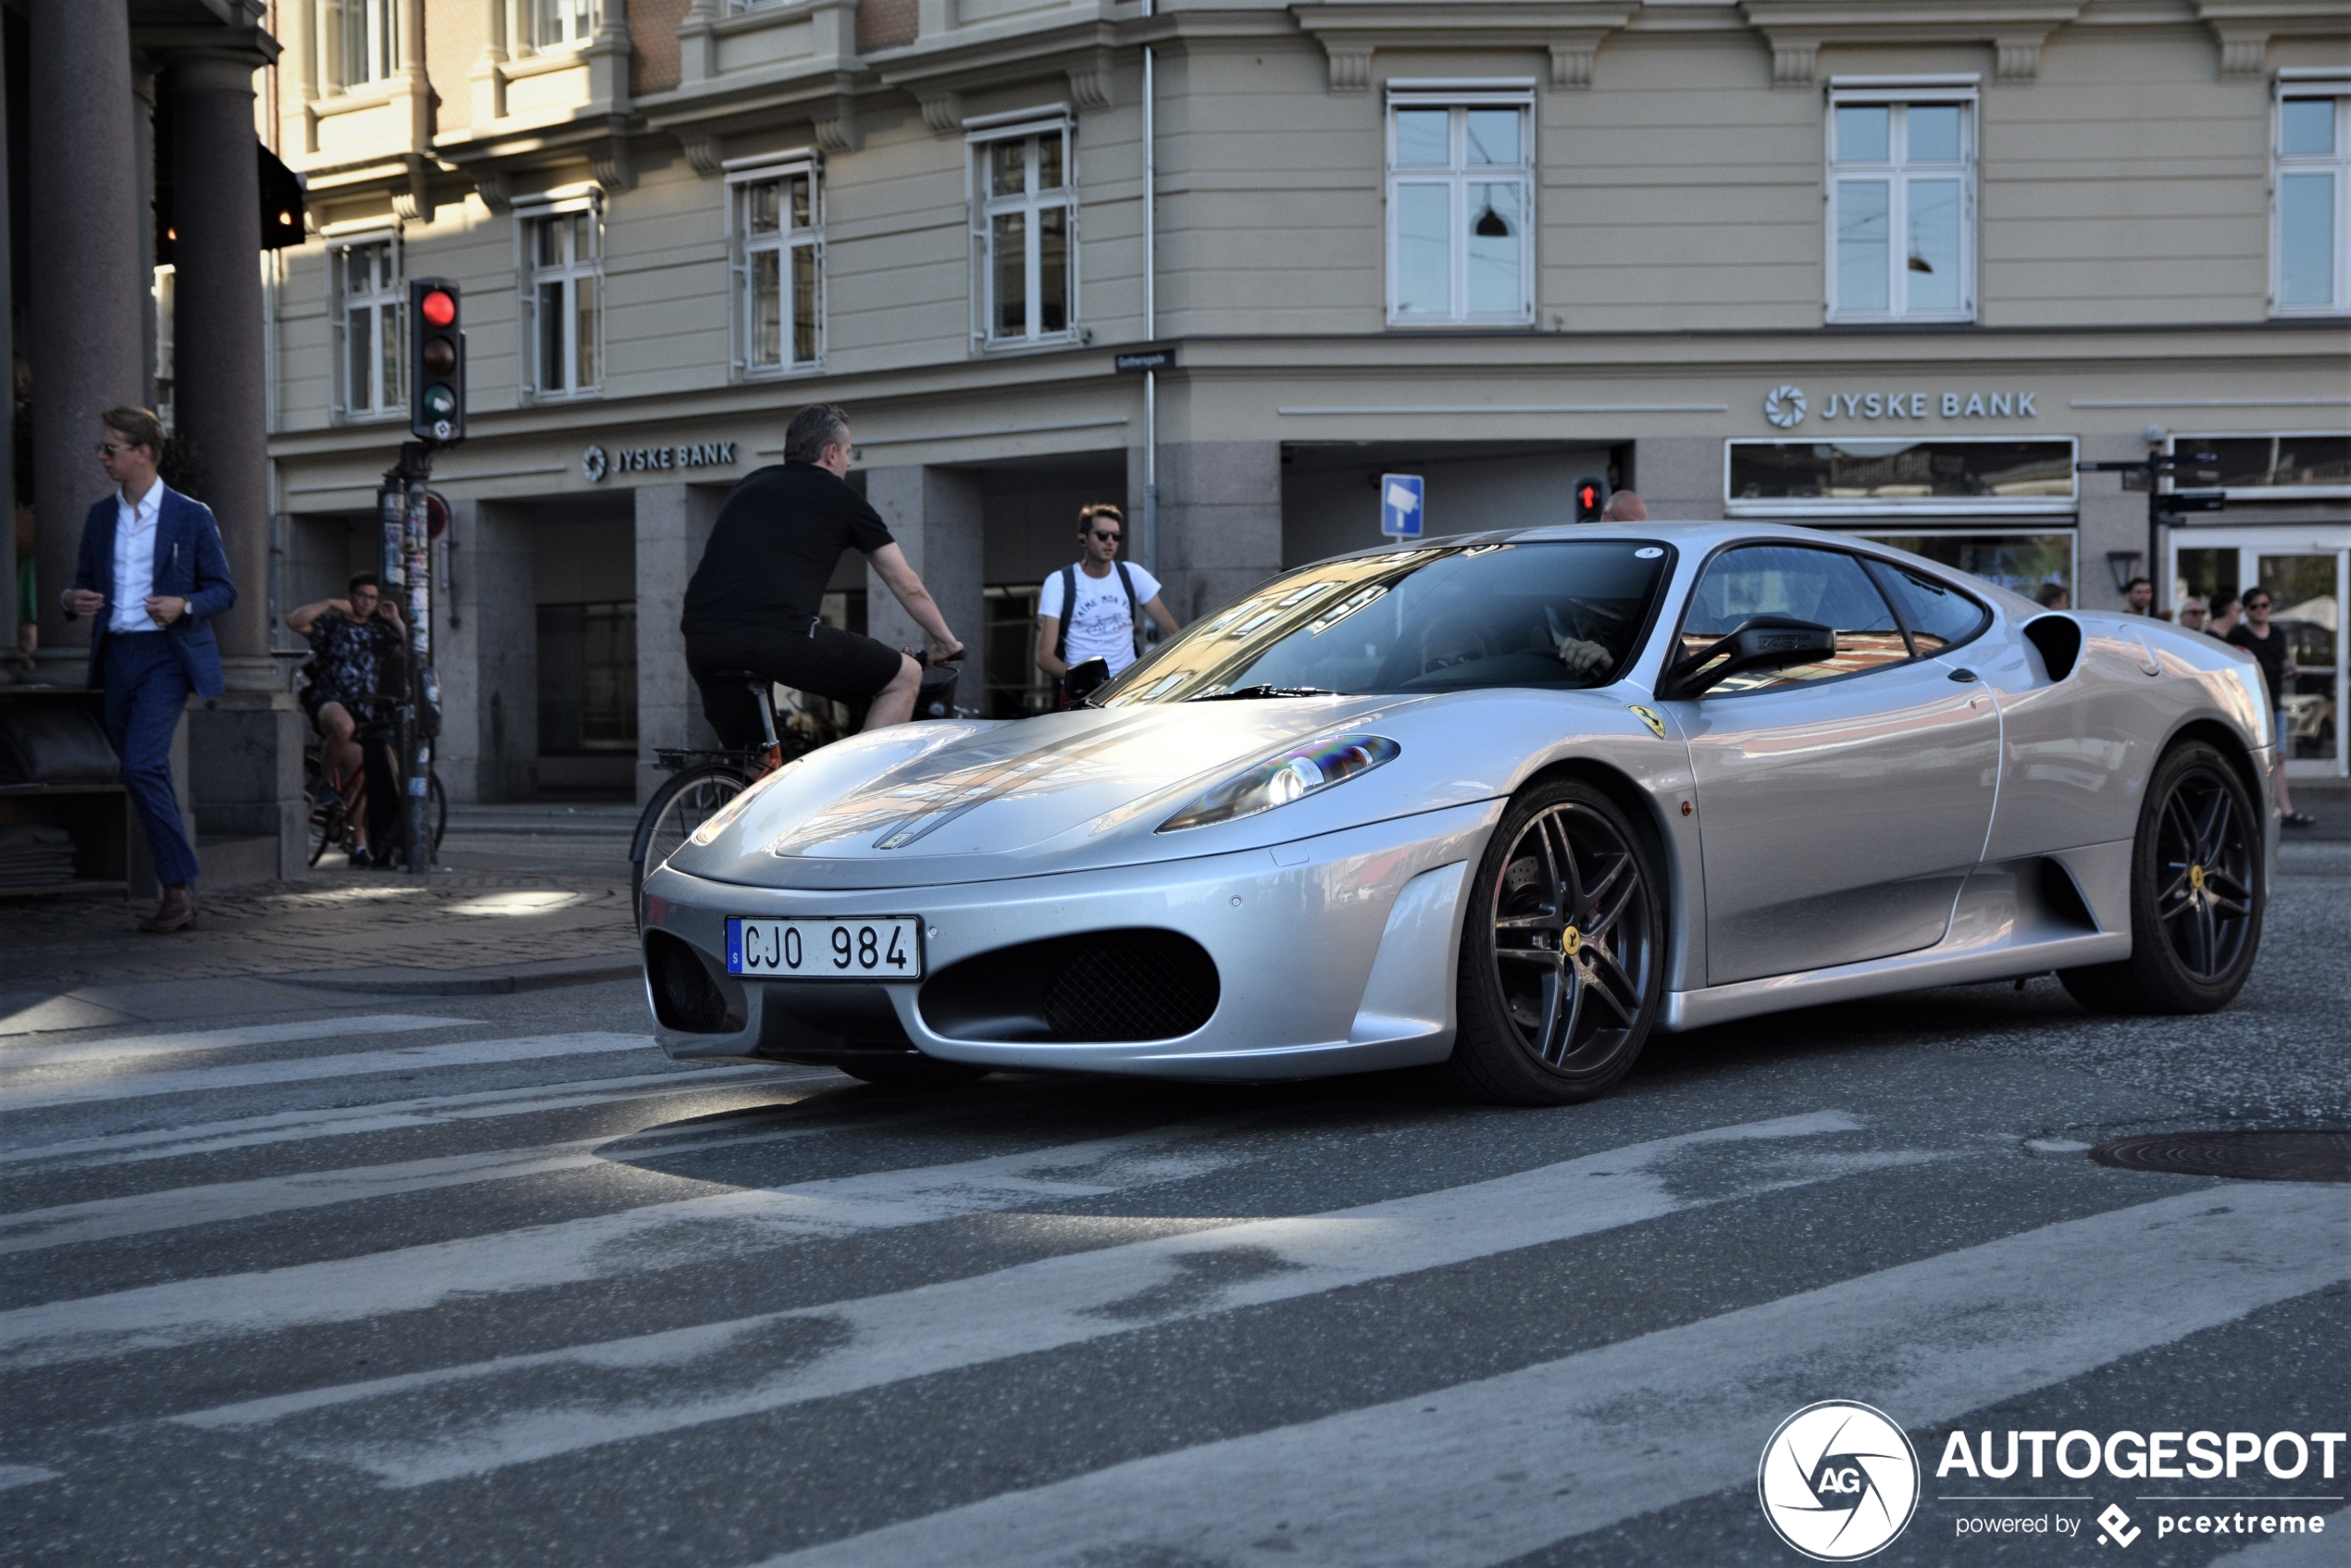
(2299, 819)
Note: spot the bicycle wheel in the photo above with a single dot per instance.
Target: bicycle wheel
(677, 809)
(435, 811)
(326, 815)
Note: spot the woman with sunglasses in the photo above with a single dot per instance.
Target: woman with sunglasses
(2267, 646)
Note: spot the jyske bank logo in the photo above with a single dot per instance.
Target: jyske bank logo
(1838, 1481)
(1784, 406)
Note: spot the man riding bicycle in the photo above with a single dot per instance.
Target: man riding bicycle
(752, 602)
(357, 644)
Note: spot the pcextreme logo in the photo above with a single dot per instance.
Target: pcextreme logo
(1838, 1481)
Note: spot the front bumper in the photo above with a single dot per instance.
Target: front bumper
(1334, 954)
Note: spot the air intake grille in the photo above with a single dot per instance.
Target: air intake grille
(1132, 984)
(685, 997)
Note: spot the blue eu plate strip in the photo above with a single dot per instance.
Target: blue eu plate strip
(734, 945)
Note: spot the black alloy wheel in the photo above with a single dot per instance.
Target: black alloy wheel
(1564, 954)
(677, 808)
(2195, 893)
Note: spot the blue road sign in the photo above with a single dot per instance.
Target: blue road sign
(1400, 506)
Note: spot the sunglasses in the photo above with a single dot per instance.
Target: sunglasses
(2252, 605)
(1108, 533)
(111, 449)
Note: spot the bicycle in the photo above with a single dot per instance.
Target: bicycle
(704, 781)
(329, 814)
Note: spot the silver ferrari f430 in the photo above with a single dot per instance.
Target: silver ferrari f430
(1503, 804)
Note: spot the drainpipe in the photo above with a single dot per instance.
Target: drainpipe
(1150, 317)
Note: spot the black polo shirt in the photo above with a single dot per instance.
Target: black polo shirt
(774, 549)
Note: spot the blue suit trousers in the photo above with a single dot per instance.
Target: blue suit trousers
(146, 690)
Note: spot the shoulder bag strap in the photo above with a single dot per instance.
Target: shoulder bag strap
(1134, 609)
(1069, 606)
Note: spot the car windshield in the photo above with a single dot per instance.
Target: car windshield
(1442, 617)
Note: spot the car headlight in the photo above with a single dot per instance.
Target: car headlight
(718, 821)
(1294, 775)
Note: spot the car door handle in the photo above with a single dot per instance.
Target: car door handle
(1964, 675)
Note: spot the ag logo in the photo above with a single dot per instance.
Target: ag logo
(1784, 406)
(1838, 1481)
(593, 464)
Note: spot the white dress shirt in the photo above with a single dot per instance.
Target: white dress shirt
(134, 561)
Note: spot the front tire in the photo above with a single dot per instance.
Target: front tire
(1562, 964)
(2197, 898)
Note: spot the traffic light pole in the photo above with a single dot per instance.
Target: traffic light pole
(2163, 507)
(415, 462)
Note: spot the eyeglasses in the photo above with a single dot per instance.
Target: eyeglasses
(2252, 605)
(113, 449)
(1109, 534)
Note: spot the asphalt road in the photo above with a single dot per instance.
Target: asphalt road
(487, 1280)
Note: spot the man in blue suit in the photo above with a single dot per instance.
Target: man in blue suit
(154, 574)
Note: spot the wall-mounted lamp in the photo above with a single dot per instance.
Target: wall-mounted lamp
(2124, 565)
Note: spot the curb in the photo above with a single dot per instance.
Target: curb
(391, 981)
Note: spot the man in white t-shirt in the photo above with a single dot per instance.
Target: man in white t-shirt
(1088, 611)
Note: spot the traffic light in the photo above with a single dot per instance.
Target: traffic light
(436, 363)
(1591, 498)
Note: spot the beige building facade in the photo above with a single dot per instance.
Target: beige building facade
(1890, 265)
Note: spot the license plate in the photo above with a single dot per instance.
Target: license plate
(889, 948)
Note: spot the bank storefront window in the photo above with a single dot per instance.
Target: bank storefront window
(2310, 240)
(2021, 562)
(1901, 201)
(1789, 479)
(2307, 466)
(1460, 205)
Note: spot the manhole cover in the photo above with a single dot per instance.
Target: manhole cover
(2245, 1156)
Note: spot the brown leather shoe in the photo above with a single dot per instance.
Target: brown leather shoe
(177, 913)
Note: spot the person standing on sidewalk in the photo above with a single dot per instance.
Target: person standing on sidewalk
(152, 573)
(1088, 610)
(2267, 646)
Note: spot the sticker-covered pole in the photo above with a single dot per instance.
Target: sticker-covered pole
(416, 754)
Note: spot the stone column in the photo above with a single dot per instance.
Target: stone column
(935, 516)
(673, 524)
(88, 279)
(1220, 520)
(490, 667)
(218, 345)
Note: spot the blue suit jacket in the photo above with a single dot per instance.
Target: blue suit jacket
(189, 564)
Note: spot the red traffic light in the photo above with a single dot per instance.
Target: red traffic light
(438, 308)
(1588, 496)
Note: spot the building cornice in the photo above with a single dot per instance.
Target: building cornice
(2244, 27)
(1351, 31)
(1797, 29)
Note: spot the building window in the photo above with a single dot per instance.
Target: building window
(2312, 243)
(1461, 209)
(362, 40)
(1026, 238)
(1955, 474)
(555, 24)
(2304, 465)
(367, 307)
(565, 263)
(2021, 562)
(779, 271)
(1901, 210)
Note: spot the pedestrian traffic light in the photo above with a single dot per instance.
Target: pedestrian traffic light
(436, 361)
(1591, 498)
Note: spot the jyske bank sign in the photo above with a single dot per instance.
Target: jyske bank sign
(1785, 407)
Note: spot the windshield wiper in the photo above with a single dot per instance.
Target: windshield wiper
(1251, 693)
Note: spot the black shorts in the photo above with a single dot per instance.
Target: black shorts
(806, 656)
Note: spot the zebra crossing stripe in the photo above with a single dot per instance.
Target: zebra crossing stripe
(131, 1047)
(1045, 1305)
(1483, 1471)
(427, 1111)
(572, 1251)
(348, 1065)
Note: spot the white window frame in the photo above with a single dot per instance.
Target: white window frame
(378, 42)
(530, 275)
(2332, 84)
(743, 174)
(1955, 507)
(980, 138)
(2175, 445)
(1898, 94)
(340, 303)
(1457, 175)
(574, 23)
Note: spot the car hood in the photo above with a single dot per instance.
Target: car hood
(930, 803)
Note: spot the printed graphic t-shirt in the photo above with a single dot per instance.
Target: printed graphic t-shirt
(1103, 626)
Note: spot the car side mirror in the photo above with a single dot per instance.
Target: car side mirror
(1085, 677)
(1757, 643)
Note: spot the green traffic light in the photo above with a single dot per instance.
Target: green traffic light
(440, 402)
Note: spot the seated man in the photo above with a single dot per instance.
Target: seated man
(357, 647)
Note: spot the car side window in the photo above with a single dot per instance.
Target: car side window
(1939, 614)
(1827, 587)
